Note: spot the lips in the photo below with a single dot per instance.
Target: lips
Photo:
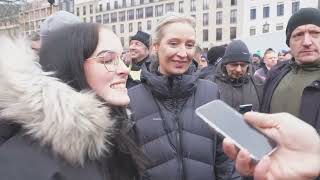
(118, 85)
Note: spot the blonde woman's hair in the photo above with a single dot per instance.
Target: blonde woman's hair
(170, 18)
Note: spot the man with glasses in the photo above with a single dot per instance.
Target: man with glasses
(233, 78)
(139, 53)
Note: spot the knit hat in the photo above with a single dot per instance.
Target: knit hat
(142, 37)
(236, 51)
(215, 53)
(56, 21)
(302, 17)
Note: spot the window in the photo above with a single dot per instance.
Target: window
(114, 17)
(84, 10)
(218, 34)
(205, 19)
(266, 12)
(194, 17)
(253, 13)
(139, 13)
(132, 3)
(205, 4)
(106, 19)
(159, 10)
(233, 2)
(265, 28)
(124, 3)
(279, 27)
(295, 6)
(149, 25)
(192, 5)
(91, 19)
(130, 27)
(91, 9)
(114, 29)
(78, 11)
(141, 1)
(84, 19)
(169, 7)
(121, 28)
(233, 33)
(205, 35)
(100, 8)
(139, 26)
(98, 19)
(219, 18)
(130, 14)
(252, 31)
(122, 40)
(181, 7)
(108, 6)
(280, 9)
(149, 11)
(219, 3)
(115, 5)
(122, 16)
(233, 16)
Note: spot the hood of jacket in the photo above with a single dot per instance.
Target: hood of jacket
(74, 125)
(167, 87)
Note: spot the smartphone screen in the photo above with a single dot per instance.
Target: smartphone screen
(230, 123)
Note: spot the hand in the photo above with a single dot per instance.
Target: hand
(297, 156)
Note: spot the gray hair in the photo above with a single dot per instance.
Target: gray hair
(170, 18)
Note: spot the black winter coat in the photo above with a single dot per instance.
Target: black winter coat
(178, 143)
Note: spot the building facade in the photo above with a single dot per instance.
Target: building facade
(268, 16)
(217, 21)
(33, 14)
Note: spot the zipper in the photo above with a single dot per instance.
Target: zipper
(178, 137)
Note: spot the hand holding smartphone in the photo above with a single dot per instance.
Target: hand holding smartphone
(229, 123)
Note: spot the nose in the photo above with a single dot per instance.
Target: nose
(182, 52)
(307, 39)
(238, 69)
(122, 68)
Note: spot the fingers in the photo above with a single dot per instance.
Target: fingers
(262, 169)
(244, 164)
(260, 120)
(229, 148)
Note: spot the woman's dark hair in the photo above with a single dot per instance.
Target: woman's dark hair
(66, 49)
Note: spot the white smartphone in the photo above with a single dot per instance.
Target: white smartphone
(229, 123)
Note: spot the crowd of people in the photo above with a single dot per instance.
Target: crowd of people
(74, 105)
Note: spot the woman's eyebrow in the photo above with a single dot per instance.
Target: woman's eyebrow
(103, 51)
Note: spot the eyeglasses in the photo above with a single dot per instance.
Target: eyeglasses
(110, 60)
(236, 65)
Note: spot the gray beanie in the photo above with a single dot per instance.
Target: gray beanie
(236, 51)
(302, 17)
(56, 21)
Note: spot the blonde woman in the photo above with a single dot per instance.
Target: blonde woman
(178, 143)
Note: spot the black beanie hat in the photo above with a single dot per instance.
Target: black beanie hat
(236, 51)
(215, 53)
(302, 17)
(142, 37)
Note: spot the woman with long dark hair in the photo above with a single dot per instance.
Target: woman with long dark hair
(70, 118)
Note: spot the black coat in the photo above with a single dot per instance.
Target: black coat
(178, 143)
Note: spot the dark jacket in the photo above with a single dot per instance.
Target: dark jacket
(207, 72)
(178, 143)
(310, 100)
(236, 92)
(48, 130)
(135, 67)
